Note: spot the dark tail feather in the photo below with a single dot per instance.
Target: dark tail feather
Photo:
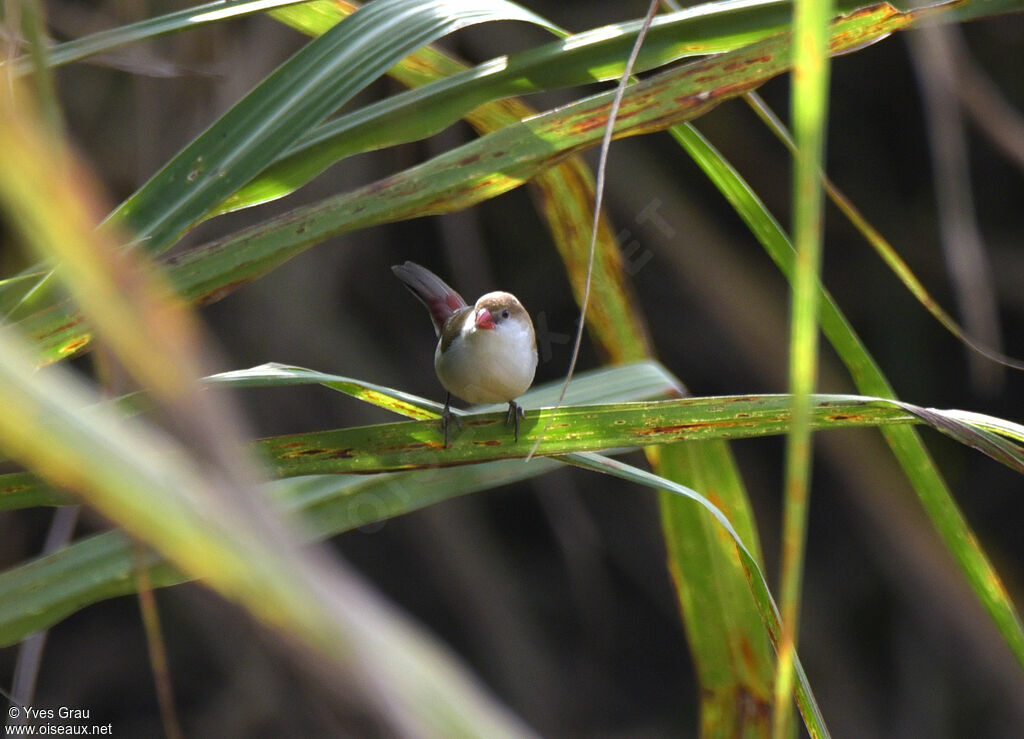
(430, 290)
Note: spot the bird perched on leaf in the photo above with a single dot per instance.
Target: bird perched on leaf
(486, 353)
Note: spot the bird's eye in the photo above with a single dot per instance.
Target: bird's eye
(504, 313)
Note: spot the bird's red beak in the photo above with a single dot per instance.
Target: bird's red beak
(484, 319)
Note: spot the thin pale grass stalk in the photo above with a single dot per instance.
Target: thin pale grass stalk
(155, 645)
(881, 245)
(12, 38)
(30, 651)
(967, 263)
(33, 23)
(606, 142)
(810, 80)
(986, 105)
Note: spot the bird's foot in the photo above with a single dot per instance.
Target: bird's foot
(448, 418)
(515, 412)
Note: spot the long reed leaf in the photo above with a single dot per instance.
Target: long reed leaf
(299, 94)
(905, 443)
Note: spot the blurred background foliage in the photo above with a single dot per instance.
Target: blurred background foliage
(555, 590)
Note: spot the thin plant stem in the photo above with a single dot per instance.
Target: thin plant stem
(30, 651)
(606, 142)
(157, 651)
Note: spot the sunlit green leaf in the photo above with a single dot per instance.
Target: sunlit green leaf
(39, 593)
(905, 443)
(594, 55)
(300, 93)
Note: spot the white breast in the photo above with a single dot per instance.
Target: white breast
(489, 365)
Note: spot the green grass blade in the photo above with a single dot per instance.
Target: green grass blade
(905, 443)
(583, 58)
(16, 289)
(25, 490)
(471, 173)
(634, 381)
(732, 653)
(296, 96)
(565, 195)
(40, 593)
(992, 436)
(332, 503)
(280, 375)
(196, 509)
(882, 247)
(484, 436)
(809, 108)
(813, 719)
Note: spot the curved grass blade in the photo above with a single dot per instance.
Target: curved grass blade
(470, 173)
(633, 381)
(195, 508)
(151, 486)
(626, 383)
(296, 96)
(882, 247)
(732, 655)
(316, 16)
(991, 436)
(280, 375)
(595, 55)
(769, 613)
(40, 593)
(905, 443)
(14, 290)
(299, 94)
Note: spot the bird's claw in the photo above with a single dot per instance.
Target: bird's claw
(448, 418)
(515, 412)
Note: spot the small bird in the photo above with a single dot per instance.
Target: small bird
(486, 353)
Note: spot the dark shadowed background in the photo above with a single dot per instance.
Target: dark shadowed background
(556, 591)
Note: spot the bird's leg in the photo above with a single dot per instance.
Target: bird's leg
(515, 412)
(448, 417)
